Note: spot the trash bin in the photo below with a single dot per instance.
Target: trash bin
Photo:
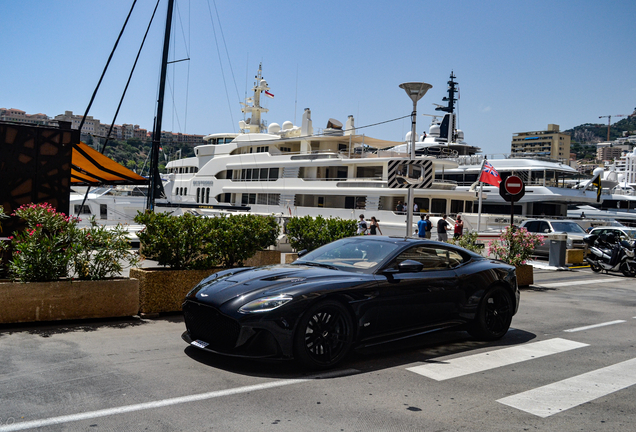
(558, 247)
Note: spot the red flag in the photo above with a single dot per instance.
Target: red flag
(489, 175)
(268, 94)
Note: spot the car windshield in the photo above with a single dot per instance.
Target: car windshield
(358, 254)
(568, 227)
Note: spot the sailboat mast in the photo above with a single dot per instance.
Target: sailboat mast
(155, 180)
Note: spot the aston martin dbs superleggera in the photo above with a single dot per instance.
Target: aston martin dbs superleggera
(352, 293)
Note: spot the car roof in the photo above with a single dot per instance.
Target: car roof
(549, 220)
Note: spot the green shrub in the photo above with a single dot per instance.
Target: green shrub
(101, 252)
(238, 237)
(468, 241)
(174, 241)
(43, 250)
(52, 247)
(193, 242)
(309, 233)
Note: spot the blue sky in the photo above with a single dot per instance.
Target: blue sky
(520, 64)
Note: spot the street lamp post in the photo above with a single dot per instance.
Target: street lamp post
(415, 91)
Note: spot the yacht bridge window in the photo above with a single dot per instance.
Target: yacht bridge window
(256, 174)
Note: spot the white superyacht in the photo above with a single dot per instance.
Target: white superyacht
(289, 170)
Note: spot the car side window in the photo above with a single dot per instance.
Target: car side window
(532, 226)
(544, 226)
(432, 258)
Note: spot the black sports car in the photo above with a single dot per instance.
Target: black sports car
(352, 293)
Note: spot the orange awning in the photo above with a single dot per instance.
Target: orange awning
(91, 168)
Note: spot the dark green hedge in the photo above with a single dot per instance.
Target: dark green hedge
(195, 242)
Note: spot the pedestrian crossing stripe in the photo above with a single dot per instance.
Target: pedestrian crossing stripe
(441, 370)
(562, 395)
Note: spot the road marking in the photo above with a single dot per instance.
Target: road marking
(447, 369)
(594, 326)
(168, 402)
(578, 282)
(560, 396)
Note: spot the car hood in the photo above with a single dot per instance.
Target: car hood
(257, 282)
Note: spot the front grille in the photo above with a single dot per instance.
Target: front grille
(208, 324)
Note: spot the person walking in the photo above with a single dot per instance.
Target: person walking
(362, 226)
(374, 226)
(422, 227)
(442, 228)
(429, 226)
(459, 227)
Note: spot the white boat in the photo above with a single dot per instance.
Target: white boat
(290, 170)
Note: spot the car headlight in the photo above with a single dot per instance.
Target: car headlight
(265, 304)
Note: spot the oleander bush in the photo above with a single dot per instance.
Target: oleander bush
(190, 242)
(310, 233)
(52, 246)
(515, 245)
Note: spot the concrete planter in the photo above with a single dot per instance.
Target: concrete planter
(68, 300)
(290, 258)
(525, 275)
(264, 257)
(164, 290)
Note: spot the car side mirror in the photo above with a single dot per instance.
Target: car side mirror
(547, 230)
(302, 252)
(410, 266)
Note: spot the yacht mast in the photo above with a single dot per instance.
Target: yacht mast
(156, 187)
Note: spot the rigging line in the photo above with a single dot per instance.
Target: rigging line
(216, 42)
(226, 52)
(106, 67)
(122, 96)
(187, 48)
(143, 41)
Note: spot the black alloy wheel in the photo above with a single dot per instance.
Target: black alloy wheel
(595, 268)
(324, 335)
(494, 315)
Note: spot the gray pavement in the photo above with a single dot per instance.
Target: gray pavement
(574, 331)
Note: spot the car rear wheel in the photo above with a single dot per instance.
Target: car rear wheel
(494, 315)
(324, 335)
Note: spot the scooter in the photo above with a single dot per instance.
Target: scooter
(606, 253)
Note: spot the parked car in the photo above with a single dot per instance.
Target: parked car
(620, 232)
(555, 226)
(352, 293)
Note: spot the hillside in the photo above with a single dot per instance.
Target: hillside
(134, 154)
(586, 136)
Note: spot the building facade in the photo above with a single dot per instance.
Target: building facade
(548, 143)
(18, 116)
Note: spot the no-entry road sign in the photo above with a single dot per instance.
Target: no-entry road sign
(512, 189)
(513, 185)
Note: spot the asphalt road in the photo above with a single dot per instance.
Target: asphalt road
(568, 364)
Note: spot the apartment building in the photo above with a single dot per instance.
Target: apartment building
(19, 116)
(548, 143)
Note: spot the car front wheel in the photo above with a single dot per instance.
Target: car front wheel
(494, 315)
(324, 335)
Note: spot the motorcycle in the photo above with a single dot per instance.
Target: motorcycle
(606, 253)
